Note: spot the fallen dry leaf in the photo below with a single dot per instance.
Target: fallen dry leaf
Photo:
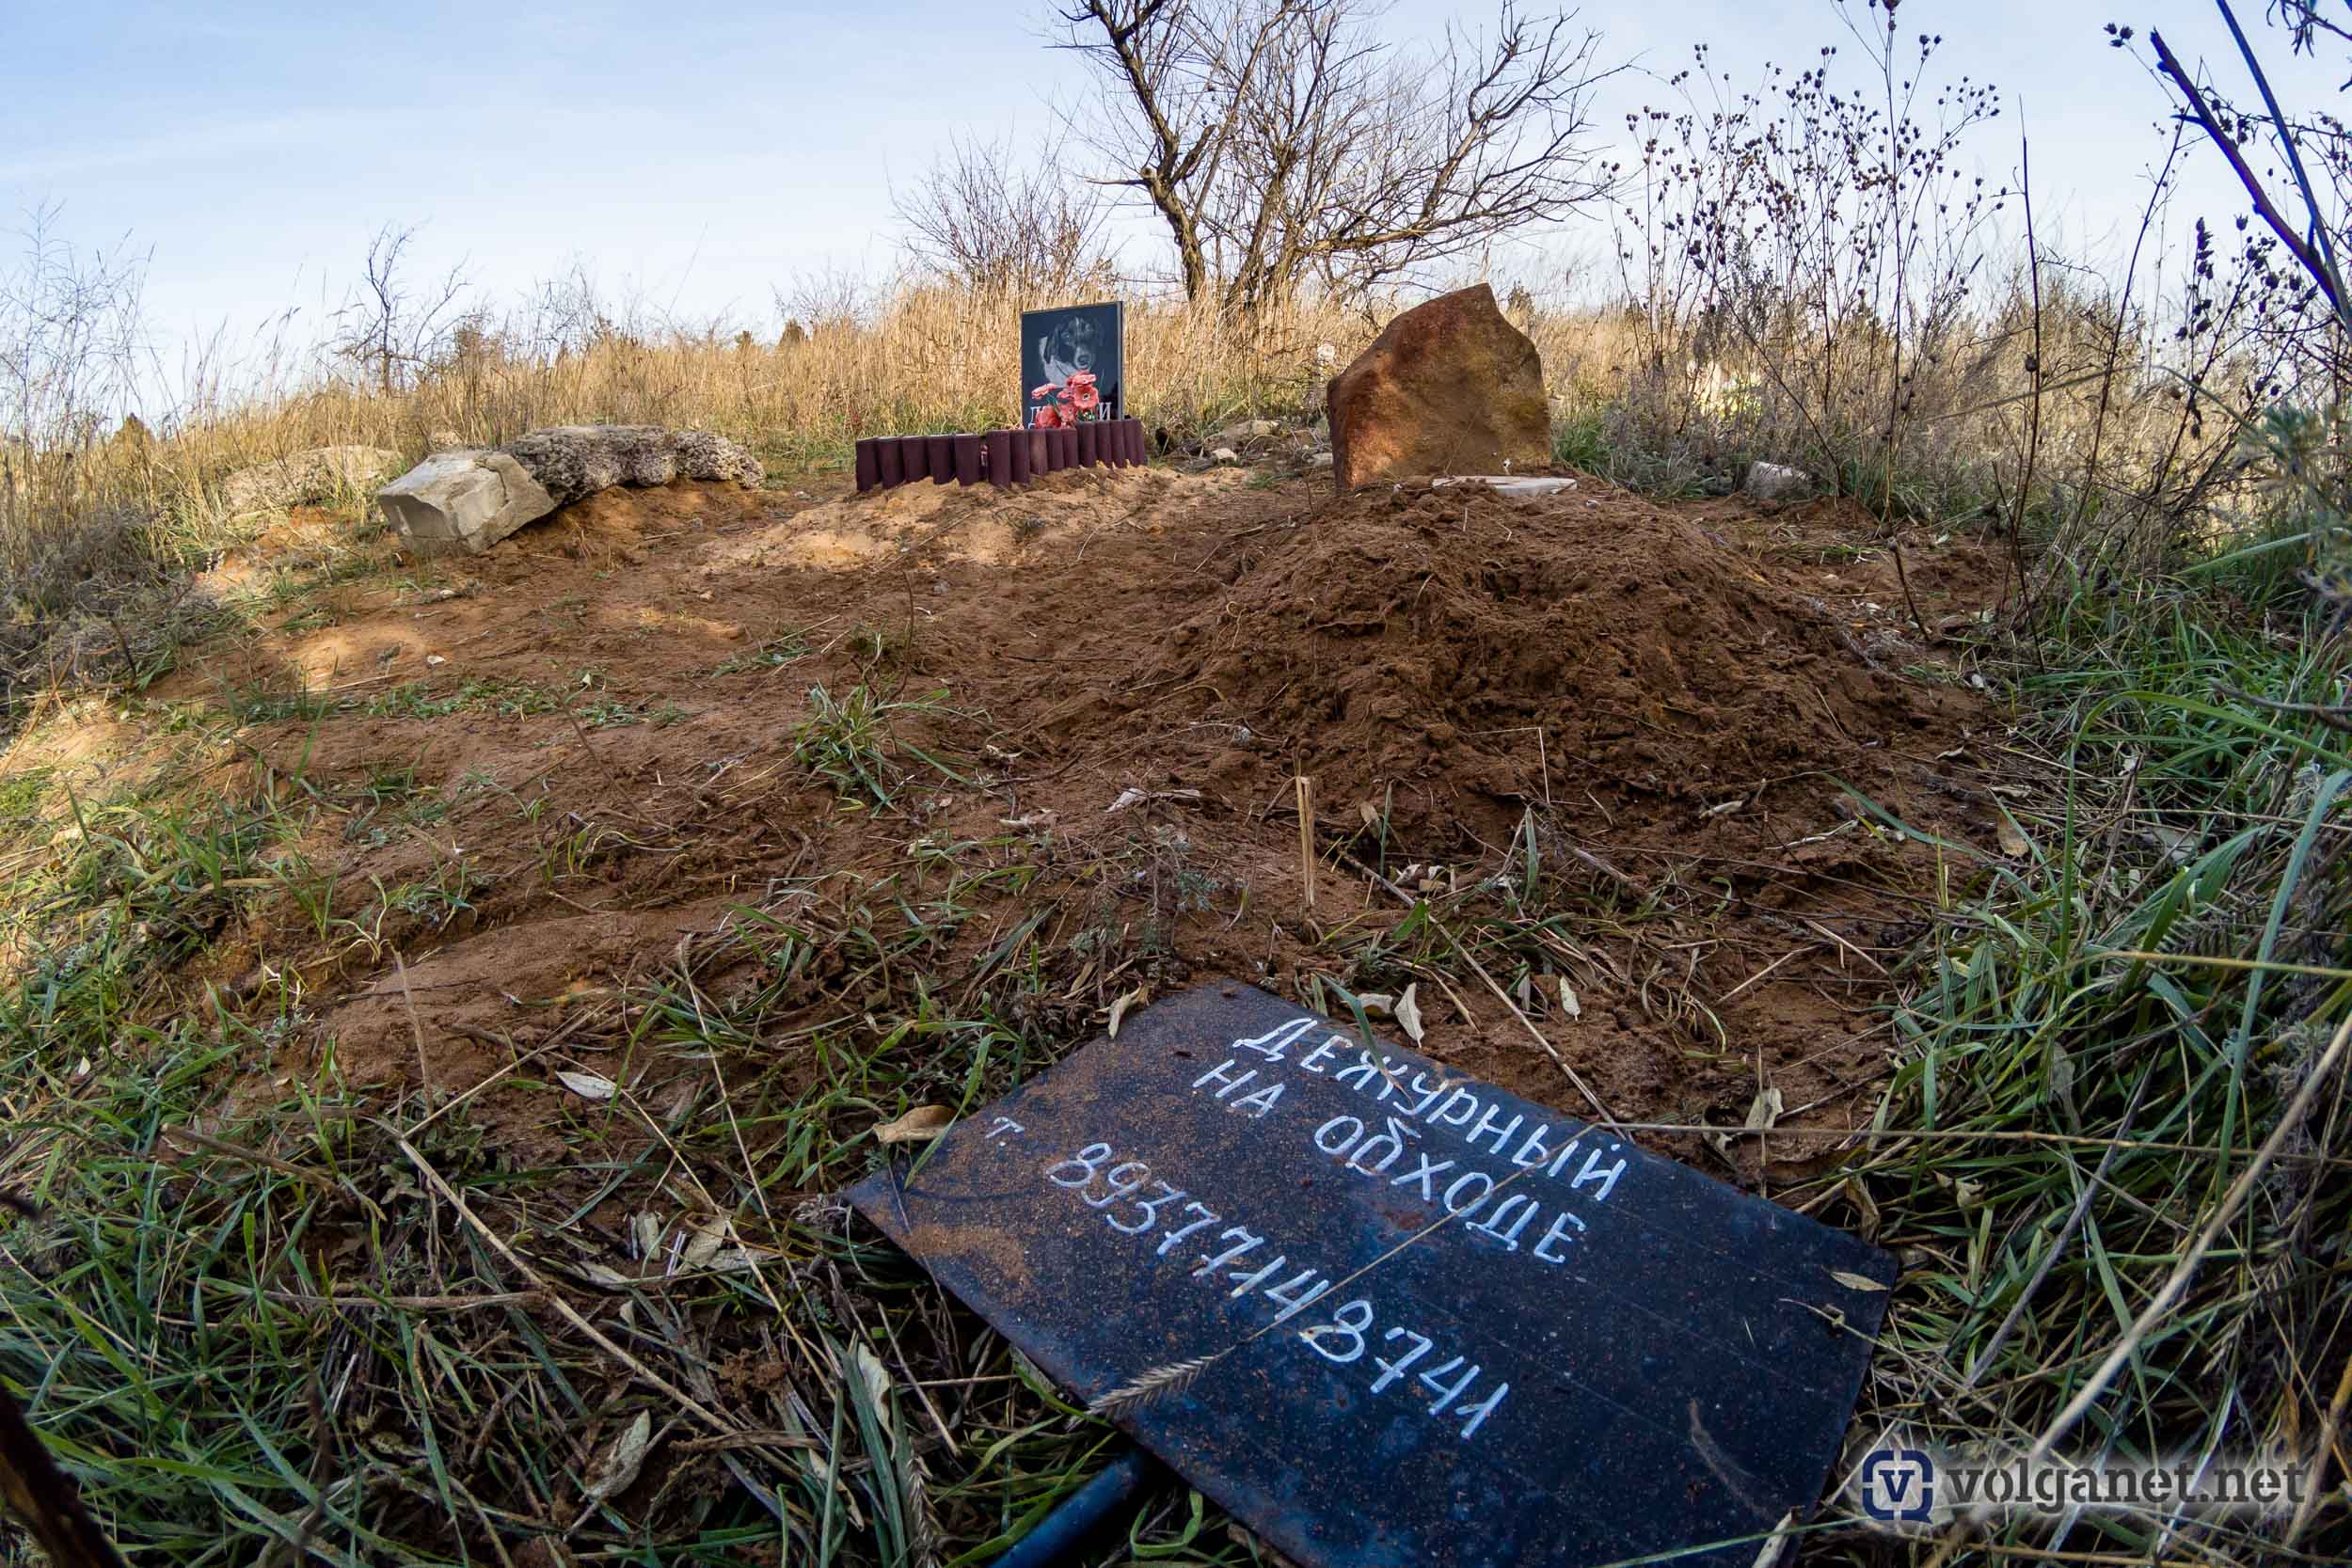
(1855, 1281)
(625, 1461)
(703, 1245)
(1866, 1206)
(2012, 842)
(588, 1085)
(1119, 1008)
(1408, 1011)
(1134, 797)
(1568, 1003)
(924, 1121)
(1969, 1193)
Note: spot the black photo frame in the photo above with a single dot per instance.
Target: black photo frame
(1071, 338)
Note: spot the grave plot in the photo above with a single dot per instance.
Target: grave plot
(720, 832)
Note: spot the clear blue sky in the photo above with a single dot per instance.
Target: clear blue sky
(704, 151)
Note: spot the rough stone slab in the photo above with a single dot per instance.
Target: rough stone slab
(464, 500)
(469, 498)
(1448, 387)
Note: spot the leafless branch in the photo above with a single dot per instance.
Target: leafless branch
(392, 328)
(1285, 143)
(981, 219)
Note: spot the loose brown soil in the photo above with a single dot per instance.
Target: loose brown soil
(1676, 706)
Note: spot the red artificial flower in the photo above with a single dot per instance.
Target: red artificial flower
(1045, 392)
(1048, 418)
(1085, 399)
(1081, 378)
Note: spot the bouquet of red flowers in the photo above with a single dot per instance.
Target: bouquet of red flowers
(1071, 401)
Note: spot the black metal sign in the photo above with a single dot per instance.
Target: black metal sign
(1388, 1315)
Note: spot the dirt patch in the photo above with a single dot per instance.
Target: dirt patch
(980, 525)
(1479, 655)
(1670, 711)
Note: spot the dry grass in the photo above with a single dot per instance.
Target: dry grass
(1629, 387)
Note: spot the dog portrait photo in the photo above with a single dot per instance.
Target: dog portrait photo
(1058, 343)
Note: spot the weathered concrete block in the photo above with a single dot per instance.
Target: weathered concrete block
(463, 501)
(470, 499)
(572, 461)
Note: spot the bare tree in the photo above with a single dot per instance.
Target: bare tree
(393, 327)
(1004, 230)
(1284, 143)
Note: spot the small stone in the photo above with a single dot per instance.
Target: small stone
(1775, 482)
(1246, 434)
(1225, 454)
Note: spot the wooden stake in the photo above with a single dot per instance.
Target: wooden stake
(44, 1500)
(1307, 837)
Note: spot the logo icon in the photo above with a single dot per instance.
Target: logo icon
(1899, 1485)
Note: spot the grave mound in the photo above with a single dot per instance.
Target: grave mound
(1417, 636)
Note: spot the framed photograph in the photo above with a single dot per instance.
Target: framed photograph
(1073, 337)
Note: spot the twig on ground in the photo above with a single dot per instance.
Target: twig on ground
(2335, 716)
(565, 1310)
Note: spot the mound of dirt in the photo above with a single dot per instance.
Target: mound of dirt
(1426, 639)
